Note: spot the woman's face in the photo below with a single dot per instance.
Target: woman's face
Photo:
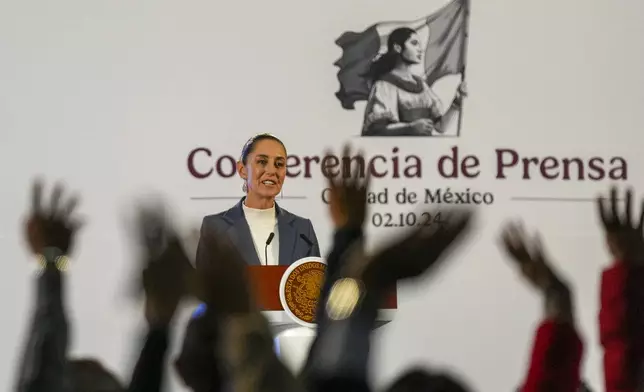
(411, 51)
(265, 169)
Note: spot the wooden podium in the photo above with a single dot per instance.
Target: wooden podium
(265, 281)
(292, 340)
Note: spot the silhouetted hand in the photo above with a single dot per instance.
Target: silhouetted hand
(413, 255)
(223, 276)
(167, 275)
(54, 226)
(348, 194)
(623, 235)
(528, 254)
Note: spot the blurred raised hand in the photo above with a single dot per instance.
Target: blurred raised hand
(222, 275)
(528, 255)
(421, 250)
(623, 234)
(167, 275)
(347, 192)
(54, 225)
(413, 255)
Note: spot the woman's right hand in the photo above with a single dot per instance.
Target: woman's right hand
(423, 126)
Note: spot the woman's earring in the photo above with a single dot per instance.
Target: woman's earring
(245, 187)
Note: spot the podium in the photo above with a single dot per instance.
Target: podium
(293, 336)
(266, 280)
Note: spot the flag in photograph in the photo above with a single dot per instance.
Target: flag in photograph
(444, 55)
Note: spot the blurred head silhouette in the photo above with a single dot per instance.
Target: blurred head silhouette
(197, 363)
(88, 375)
(421, 380)
(582, 388)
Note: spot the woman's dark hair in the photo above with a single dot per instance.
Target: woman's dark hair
(252, 142)
(387, 61)
(421, 380)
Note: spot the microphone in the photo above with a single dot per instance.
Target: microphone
(268, 242)
(307, 240)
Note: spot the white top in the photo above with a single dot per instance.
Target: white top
(262, 223)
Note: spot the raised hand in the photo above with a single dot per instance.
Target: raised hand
(167, 275)
(414, 254)
(623, 234)
(347, 193)
(153, 228)
(222, 275)
(529, 256)
(54, 226)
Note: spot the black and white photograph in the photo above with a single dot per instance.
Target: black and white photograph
(393, 66)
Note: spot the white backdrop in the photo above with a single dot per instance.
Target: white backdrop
(112, 96)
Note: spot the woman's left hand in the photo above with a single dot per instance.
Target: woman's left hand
(461, 91)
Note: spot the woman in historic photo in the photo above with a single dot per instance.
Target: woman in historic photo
(400, 102)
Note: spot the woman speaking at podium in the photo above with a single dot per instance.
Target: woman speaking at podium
(264, 233)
